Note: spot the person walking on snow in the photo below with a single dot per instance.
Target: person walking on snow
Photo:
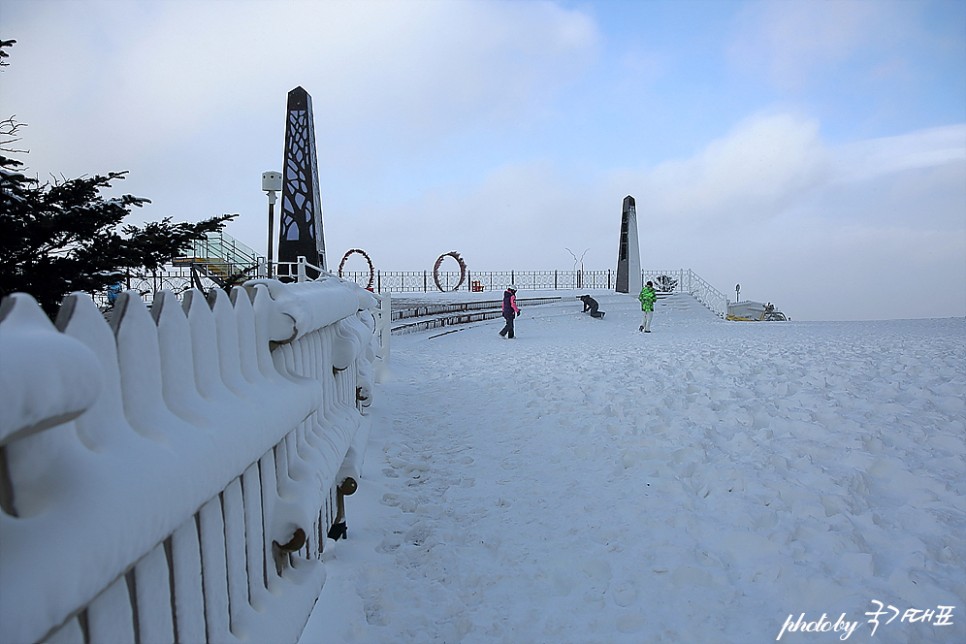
(510, 310)
(647, 297)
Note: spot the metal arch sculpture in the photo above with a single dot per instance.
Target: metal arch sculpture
(372, 271)
(459, 260)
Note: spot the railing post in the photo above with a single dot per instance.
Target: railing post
(300, 270)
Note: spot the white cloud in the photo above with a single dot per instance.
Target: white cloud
(774, 165)
(865, 160)
(751, 173)
(774, 205)
(519, 216)
(796, 40)
(381, 74)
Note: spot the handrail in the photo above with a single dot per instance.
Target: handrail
(224, 247)
(402, 311)
(487, 281)
(687, 281)
(435, 316)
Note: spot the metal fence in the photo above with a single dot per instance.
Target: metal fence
(687, 281)
(423, 281)
(666, 281)
(178, 279)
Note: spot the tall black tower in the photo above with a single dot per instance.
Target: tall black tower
(300, 222)
(628, 251)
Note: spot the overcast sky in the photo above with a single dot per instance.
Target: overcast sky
(813, 151)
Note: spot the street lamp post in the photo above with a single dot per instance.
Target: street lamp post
(579, 274)
(271, 184)
(576, 280)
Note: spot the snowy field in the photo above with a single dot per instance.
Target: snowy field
(709, 482)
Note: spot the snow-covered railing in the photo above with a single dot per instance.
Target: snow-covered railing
(172, 476)
(687, 281)
(303, 271)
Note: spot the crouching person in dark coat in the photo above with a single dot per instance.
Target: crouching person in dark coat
(590, 304)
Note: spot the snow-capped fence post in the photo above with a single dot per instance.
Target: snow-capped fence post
(383, 318)
(172, 475)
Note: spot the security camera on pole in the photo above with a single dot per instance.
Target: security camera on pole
(271, 184)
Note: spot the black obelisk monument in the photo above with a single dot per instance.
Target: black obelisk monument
(300, 222)
(628, 252)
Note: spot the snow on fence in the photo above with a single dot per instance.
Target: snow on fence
(172, 475)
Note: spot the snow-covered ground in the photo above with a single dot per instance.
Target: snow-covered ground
(709, 482)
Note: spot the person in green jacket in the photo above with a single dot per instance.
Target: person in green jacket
(647, 297)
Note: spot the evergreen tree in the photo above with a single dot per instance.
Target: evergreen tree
(64, 237)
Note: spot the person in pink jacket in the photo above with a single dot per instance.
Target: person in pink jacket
(510, 311)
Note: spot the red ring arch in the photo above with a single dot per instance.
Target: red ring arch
(459, 260)
(372, 272)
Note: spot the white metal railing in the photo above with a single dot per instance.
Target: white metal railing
(223, 247)
(172, 475)
(485, 281)
(687, 281)
(303, 271)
